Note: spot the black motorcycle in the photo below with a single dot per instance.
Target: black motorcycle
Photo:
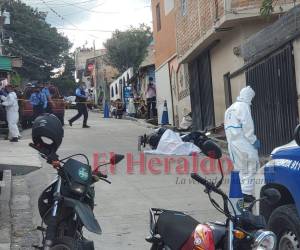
(66, 205)
(174, 230)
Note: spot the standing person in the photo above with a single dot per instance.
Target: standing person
(39, 102)
(12, 113)
(131, 107)
(242, 142)
(151, 98)
(46, 92)
(81, 99)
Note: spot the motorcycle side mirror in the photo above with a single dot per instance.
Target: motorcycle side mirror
(116, 159)
(211, 149)
(272, 195)
(297, 135)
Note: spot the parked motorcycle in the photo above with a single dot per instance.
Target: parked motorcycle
(173, 230)
(66, 205)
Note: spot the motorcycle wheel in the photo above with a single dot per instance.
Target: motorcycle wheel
(285, 223)
(65, 243)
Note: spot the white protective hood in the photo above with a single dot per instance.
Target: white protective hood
(246, 95)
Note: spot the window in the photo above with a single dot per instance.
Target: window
(158, 19)
(183, 7)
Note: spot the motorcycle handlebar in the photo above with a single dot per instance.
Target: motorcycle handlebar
(100, 175)
(207, 184)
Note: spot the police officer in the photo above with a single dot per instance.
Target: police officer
(46, 92)
(39, 102)
(81, 98)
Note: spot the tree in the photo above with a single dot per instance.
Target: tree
(267, 7)
(41, 47)
(128, 48)
(65, 81)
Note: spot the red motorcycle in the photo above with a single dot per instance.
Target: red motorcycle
(173, 230)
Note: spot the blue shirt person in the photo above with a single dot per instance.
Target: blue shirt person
(3, 92)
(39, 103)
(81, 99)
(80, 94)
(50, 103)
(38, 99)
(46, 91)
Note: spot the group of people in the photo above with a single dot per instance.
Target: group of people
(40, 100)
(136, 106)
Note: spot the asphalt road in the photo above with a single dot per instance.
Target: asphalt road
(122, 207)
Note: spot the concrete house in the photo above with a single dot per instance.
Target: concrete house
(171, 77)
(208, 36)
(272, 69)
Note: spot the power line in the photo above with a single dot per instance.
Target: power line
(93, 11)
(62, 18)
(68, 4)
(33, 37)
(104, 31)
(28, 54)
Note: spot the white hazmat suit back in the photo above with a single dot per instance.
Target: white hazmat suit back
(239, 129)
(12, 113)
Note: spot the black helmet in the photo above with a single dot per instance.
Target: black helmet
(47, 133)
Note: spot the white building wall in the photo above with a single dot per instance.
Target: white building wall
(163, 90)
(128, 74)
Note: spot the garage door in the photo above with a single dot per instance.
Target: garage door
(275, 110)
(202, 92)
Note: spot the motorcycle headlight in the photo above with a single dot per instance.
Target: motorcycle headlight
(78, 188)
(264, 240)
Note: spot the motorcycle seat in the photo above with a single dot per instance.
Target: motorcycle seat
(175, 228)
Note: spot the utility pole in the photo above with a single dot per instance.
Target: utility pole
(96, 74)
(2, 19)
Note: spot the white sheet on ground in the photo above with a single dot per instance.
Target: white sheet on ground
(171, 144)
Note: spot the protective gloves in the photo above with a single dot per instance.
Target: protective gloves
(257, 144)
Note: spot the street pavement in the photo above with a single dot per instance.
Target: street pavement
(123, 207)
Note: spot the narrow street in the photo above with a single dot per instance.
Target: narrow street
(209, 75)
(122, 208)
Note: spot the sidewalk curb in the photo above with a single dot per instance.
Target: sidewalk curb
(141, 122)
(5, 213)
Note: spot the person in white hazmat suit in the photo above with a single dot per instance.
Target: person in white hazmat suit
(12, 113)
(242, 142)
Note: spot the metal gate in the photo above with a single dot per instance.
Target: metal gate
(275, 109)
(202, 92)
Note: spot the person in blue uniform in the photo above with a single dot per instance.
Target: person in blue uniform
(81, 98)
(39, 102)
(46, 92)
